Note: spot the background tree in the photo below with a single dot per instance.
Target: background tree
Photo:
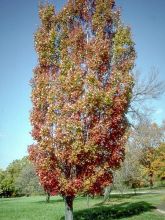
(146, 134)
(7, 186)
(81, 92)
(131, 173)
(19, 179)
(10, 175)
(144, 159)
(159, 162)
(147, 159)
(27, 183)
(2, 175)
(146, 137)
(146, 89)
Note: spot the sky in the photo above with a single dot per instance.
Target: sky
(18, 22)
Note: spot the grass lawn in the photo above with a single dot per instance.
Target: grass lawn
(139, 207)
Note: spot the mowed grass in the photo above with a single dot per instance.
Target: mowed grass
(132, 207)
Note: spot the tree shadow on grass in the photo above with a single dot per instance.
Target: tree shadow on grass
(128, 195)
(114, 212)
(52, 201)
(56, 200)
(6, 200)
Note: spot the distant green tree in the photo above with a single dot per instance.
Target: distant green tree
(9, 176)
(27, 182)
(19, 178)
(16, 166)
(1, 178)
(7, 185)
(131, 173)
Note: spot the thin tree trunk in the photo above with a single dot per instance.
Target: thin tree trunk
(48, 197)
(68, 207)
(135, 191)
(151, 181)
(151, 178)
(87, 200)
(107, 193)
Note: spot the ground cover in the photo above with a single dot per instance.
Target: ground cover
(133, 207)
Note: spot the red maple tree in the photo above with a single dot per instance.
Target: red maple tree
(81, 91)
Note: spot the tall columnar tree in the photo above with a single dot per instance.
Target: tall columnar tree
(81, 91)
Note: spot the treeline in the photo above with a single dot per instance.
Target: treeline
(19, 179)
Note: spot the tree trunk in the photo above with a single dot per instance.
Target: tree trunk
(135, 191)
(151, 181)
(48, 197)
(87, 200)
(107, 193)
(68, 207)
(151, 175)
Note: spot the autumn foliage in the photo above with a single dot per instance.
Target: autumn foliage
(81, 91)
(159, 162)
